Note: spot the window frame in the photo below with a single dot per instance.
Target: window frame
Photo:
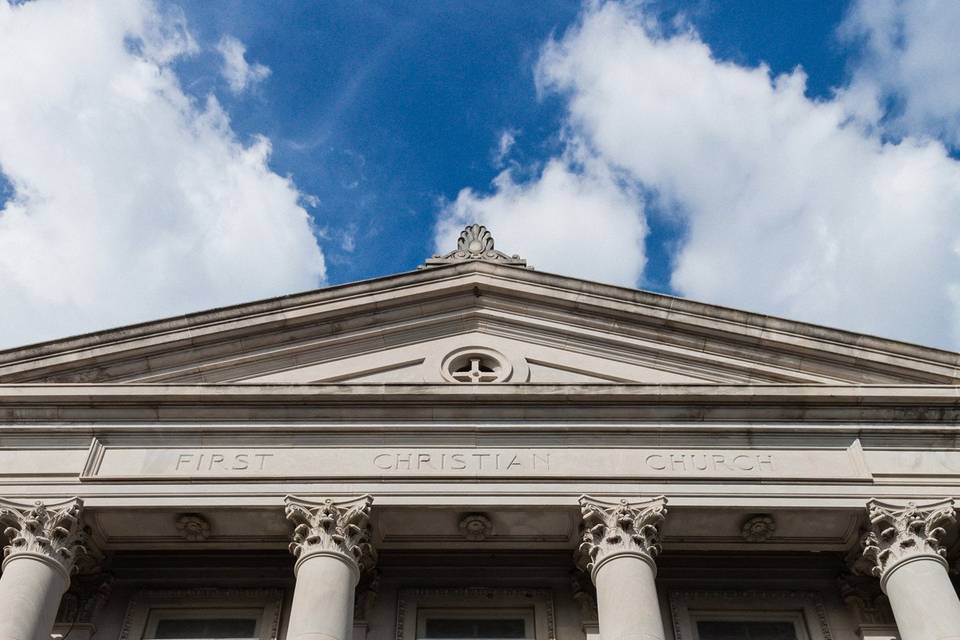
(475, 601)
(147, 604)
(528, 614)
(804, 608)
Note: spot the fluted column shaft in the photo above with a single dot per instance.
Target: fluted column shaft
(44, 543)
(620, 542)
(331, 541)
(903, 546)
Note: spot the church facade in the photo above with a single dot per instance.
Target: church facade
(476, 450)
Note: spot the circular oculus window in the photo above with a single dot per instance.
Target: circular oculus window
(476, 366)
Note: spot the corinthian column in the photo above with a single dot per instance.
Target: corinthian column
(44, 542)
(331, 541)
(620, 542)
(903, 548)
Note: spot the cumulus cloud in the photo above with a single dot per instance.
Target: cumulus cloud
(572, 219)
(131, 201)
(791, 206)
(239, 74)
(908, 74)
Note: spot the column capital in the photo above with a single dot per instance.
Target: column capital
(899, 532)
(332, 527)
(614, 527)
(50, 532)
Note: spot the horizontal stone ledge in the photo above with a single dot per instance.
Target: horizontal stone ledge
(186, 497)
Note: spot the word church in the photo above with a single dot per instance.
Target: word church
(476, 450)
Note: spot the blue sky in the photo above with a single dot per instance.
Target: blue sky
(382, 109)
(792, 158)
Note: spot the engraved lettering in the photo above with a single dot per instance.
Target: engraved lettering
(720, 461)
(765, 459)
(183, 458)
(743, 462)
(263, 458)
(541, 459)
(678, 462)
(423, 459)
(215, 458)
(480, 457)
(240, 462)
(382, 461)
(458, 462)
(699, 467)
(514, 462)
(656, 462)
(404, 460)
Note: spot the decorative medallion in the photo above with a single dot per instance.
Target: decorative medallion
(758, 528)
(193, 527)
(475, 527)
(475, 244)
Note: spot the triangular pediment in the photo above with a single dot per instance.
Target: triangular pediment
(519, 325)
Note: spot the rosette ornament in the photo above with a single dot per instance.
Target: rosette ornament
(900, 532)
(612, 528)
(51, 531)
(329, 526)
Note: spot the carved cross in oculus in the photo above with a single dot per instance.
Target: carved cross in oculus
(475, 371)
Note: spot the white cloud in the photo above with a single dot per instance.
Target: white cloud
(132, 202)
(239, 74)
(508, 138)
(573, 219)
(910, 59)
(789, 209)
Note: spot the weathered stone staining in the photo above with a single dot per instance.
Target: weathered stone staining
(521, 433)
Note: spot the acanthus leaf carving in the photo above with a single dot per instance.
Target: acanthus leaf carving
(54, 531)
(332, 526)
(897, 532)
(611, 527)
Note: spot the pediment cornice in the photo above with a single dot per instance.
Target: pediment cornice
(706, 342)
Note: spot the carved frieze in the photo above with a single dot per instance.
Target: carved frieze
(611, 527)
(341, 526)
(53, 531)
(898, 532)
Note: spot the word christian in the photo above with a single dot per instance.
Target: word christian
(422, 461)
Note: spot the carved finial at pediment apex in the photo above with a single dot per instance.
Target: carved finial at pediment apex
(899, 531)
(52, 530)
(475, 244)
(337, 526)
(611, 527)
